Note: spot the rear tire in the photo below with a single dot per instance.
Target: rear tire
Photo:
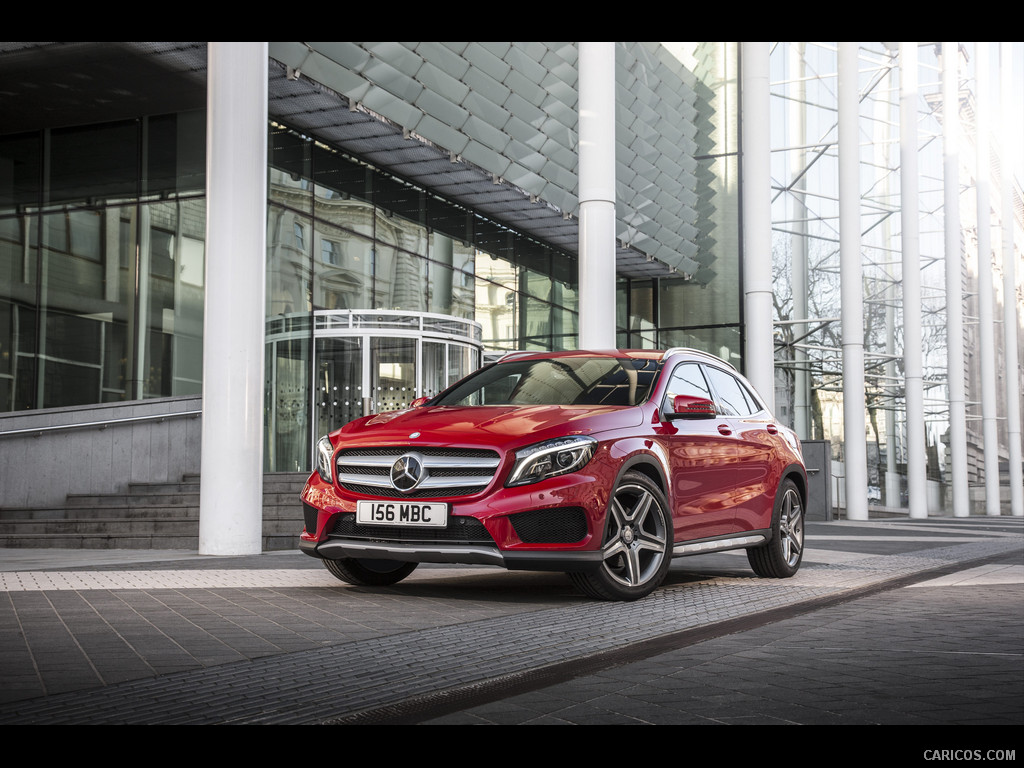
(637, 543)
(780, 558)
(370, 573)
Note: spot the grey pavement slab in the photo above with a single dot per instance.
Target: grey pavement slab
(275, 639)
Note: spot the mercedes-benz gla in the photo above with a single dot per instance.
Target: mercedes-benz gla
(605, 465)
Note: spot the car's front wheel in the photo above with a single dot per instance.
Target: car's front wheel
(637, 543)
(370, 573)
(780, 558)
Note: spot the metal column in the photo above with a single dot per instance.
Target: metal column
(802, 410)
(954, 278)
(1010, 318)
(755, 189)
(913, 379)
(597, 195)
(231, 490)
(986, 295)
(851, 287)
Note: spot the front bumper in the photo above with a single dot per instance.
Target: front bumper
(554, 525)
(338, 549)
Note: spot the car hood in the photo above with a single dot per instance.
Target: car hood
(491, 426)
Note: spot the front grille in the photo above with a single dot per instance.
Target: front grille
(430, 493)
(462, 530)
(562, 525)
(448, 472)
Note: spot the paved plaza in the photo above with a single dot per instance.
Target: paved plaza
(892, 622)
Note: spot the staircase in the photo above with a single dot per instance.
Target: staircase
(147, 516)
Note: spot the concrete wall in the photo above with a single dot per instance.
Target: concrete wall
(42, 468)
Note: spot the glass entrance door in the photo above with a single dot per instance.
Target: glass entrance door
(363, 362)
(392, 373)
(339, 382)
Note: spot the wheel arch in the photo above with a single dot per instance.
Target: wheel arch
(798, 475)
(647, 464)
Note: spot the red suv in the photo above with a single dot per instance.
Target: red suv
(605, 465)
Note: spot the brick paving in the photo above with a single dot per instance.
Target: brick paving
(275, 639)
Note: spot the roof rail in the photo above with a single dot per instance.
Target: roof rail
(518, 353)
(697, 352)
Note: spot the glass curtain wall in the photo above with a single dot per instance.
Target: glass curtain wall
(102, 255)
(344, 236)
(703, 310)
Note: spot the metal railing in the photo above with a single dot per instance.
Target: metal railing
(157, 417)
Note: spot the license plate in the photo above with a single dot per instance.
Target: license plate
(404, 513)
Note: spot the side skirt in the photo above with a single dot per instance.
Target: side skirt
(703, 546)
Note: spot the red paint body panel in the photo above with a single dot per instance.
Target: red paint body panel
(720, 475)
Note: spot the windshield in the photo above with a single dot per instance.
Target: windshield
(559, 381)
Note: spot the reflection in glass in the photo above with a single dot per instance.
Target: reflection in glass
(393, 373)
(101, 295)
(339, 391)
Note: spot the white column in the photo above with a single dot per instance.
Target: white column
(954, 278)
(231, 491)
(885, 154)
(802, 411)
(1010, 133)
(986, 296)
(756, 196)
(917, 453)
(597, 195)
(851, 286)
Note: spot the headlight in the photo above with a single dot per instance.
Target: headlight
(324, 452)
(551, 458)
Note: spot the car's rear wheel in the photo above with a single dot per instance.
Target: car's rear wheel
(780, 558)
(637, 541)
(370, 573)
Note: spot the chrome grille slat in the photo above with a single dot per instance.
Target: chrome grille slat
(448, 471)
(432, 462)
(447, 481)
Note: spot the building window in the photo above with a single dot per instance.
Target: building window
(330, 252)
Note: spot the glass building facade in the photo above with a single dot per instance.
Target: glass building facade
(102, 262)
(381, 287)
(378, 290)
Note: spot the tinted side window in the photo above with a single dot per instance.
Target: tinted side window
(730, 397)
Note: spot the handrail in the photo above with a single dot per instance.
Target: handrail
(38, 431)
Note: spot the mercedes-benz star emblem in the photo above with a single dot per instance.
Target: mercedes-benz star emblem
(407, 472)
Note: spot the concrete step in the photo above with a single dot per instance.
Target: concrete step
(146, 515)
(271, 542)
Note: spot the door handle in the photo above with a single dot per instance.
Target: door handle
(724, 429)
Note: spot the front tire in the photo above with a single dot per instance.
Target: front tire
(370, 573)
(637, 542)
(780, 558)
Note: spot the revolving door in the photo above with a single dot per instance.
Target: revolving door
(362, 362)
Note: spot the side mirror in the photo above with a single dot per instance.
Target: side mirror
(690, 407)
(419, 401)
